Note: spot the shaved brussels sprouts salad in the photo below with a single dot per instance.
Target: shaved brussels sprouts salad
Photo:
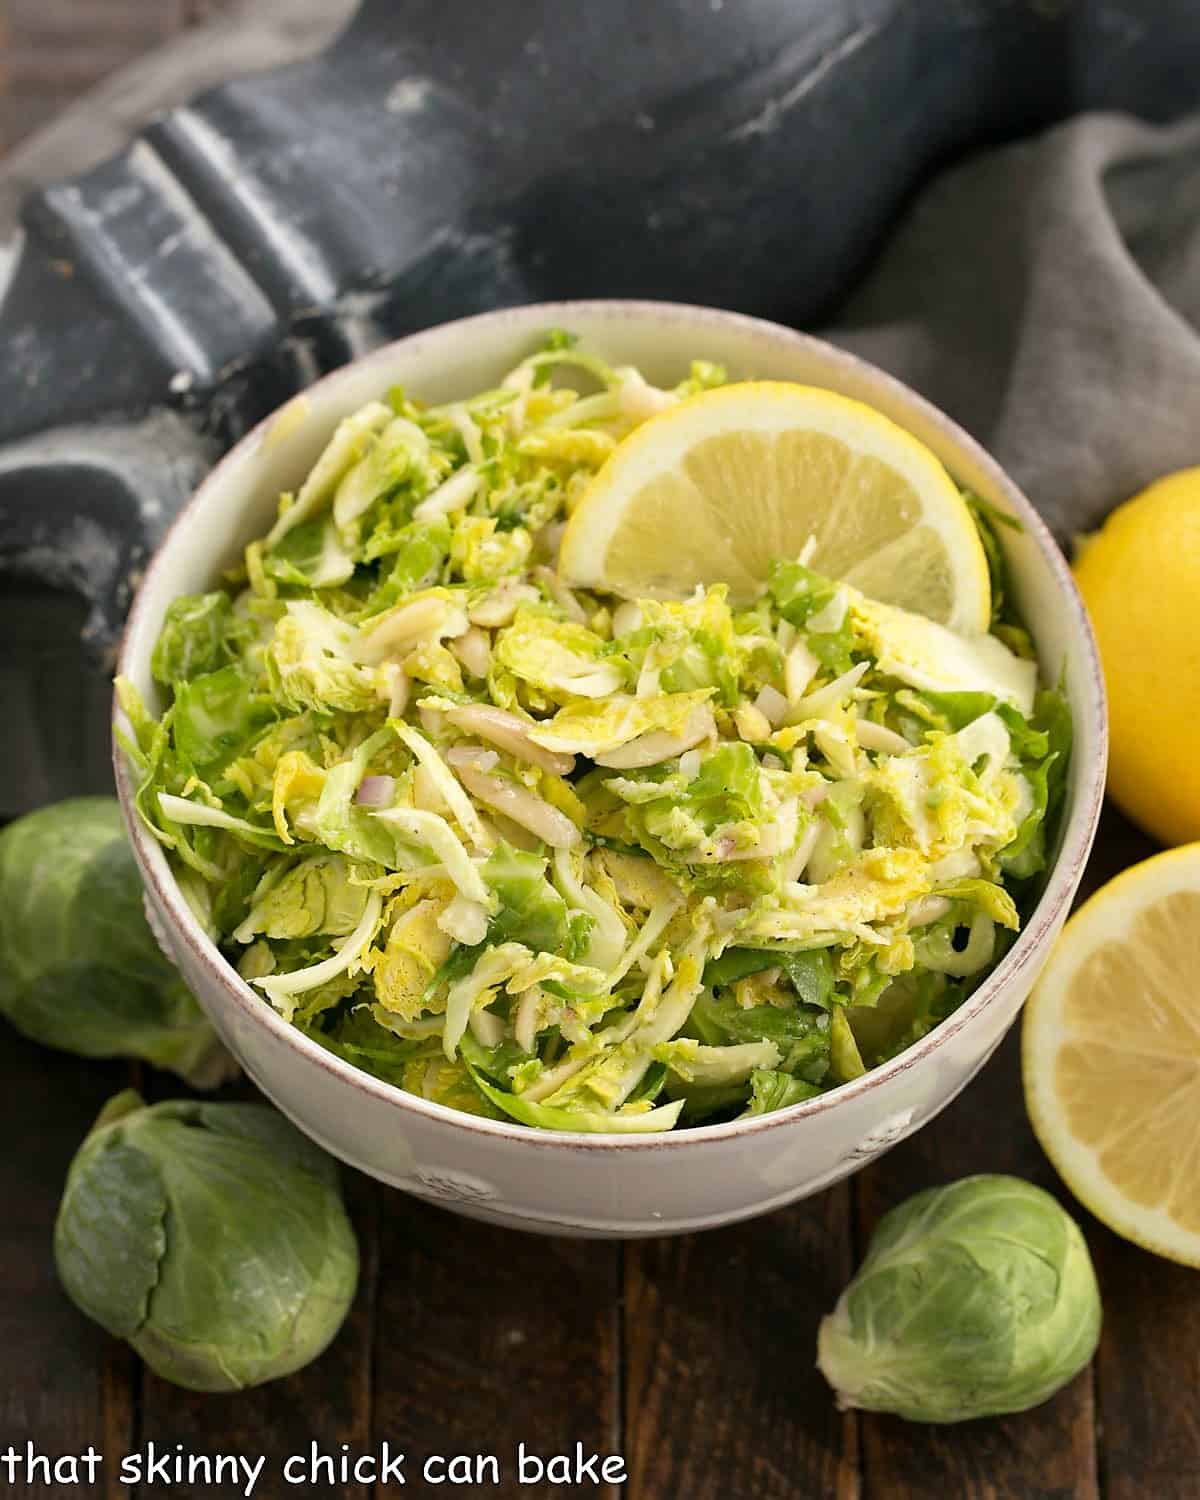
(586, 863)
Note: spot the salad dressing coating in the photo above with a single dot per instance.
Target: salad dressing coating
(588, 863)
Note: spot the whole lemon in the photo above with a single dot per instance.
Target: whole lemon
(1140, 579)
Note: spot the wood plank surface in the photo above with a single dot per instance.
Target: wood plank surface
(723, 1399)
(64, 1384)
(488, 1338)
(1046, 1454)
(1147, 1373)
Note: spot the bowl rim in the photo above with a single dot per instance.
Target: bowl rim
(1076, 839)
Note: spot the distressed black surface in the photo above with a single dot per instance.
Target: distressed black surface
(445, 157)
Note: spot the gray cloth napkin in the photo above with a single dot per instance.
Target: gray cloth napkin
(1047, 296)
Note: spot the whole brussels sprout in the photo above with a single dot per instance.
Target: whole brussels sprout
(79, 967)
(211, 1236)
(974, 1299)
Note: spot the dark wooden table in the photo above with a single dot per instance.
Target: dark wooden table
(691, 1357)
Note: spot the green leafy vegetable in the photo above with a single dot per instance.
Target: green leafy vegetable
(723, 1018)
(217, 716)
(589, 1121)
(770, 1091)
(324, 893)
(799, 594)
(531, 910)
(340, 822)
(194, 638)
(311, 556)
(985, 896)
(988, 520)
(908, 1008)
(79, 967)
(715, 1067)
(681, 813)
(355, 1035)
(211, 1237)
(1045, 773)
(844, 1056)
(497, 1063)
(974, 1299)
(418, 553)
(810, 973)
(738, 963)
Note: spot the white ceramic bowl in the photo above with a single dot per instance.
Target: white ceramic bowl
(580, 1184)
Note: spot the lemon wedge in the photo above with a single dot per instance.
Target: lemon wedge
(1111, 1055)
(715, 489)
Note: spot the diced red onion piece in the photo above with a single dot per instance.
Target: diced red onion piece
(376, 791)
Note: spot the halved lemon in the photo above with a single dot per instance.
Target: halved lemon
(717, 488)
(1110, 1051)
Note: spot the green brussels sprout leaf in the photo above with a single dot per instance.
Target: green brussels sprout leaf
(531, 910)
(115, 1224)
(770, 1091)
(194, 639)
(975, 1299)
(211, 1236)
(79, 967)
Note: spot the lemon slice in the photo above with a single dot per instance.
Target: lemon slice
(717, 488)
(1111, 1055)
